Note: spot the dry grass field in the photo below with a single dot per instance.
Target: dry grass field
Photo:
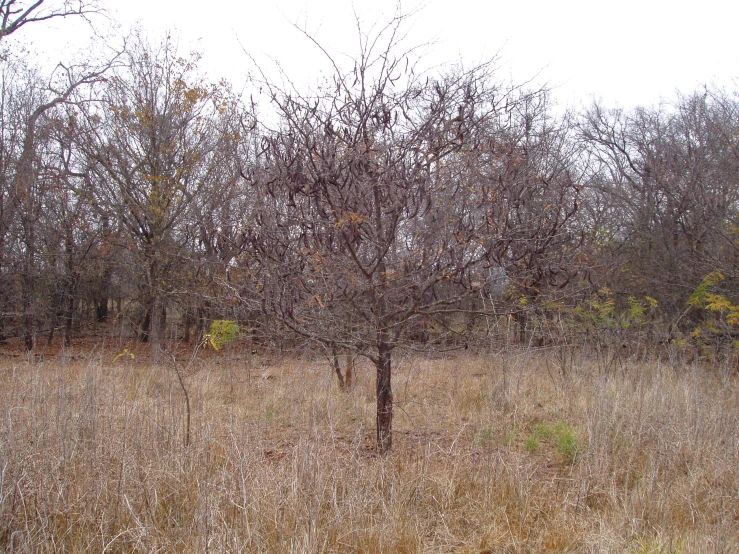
(492, 454)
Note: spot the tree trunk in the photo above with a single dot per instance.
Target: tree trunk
(3, 339)
(29, 327)
(521, 319)
(349, 373)
(163, 320)
(144, 329)
(384, 390)
(28, 280)
(101, 309)
(337, 367)
(187, 327)
(384, 400)
(157, 311)
(155, 333)
(71, 289)
(57, 309)
(103, 293)
(68, 319)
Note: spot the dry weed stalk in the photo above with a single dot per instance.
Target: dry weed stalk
(93, 460)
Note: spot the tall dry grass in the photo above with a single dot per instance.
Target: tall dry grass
(499, 453)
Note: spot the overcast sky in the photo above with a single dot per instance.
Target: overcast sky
(628, 52)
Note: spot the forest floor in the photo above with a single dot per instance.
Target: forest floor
(506, 453)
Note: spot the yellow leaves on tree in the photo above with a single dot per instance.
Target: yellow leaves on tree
(221, 332)
(702, 298)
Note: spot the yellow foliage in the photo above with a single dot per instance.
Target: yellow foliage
(125, 354)
(222, 331)
(712, 302)
(352, 218)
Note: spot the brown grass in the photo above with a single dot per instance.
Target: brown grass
(500, 453)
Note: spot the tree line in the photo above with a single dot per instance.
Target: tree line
(387, 208)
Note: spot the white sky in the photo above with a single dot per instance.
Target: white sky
(627, 53)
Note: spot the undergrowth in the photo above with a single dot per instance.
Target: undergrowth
(491, 454)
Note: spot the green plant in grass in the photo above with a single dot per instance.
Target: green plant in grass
(509, 437)
(562, 436)
(566, 443)
(543, 431)
(269, 413)
(532, 444)
(484, 436)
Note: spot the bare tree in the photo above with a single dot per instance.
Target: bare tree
(22, 91)
(15, 14)
(534, 171)
(31, 168)
(667, 176)
(386, 203)
(158, 147)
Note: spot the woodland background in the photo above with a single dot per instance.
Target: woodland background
(139, 199)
